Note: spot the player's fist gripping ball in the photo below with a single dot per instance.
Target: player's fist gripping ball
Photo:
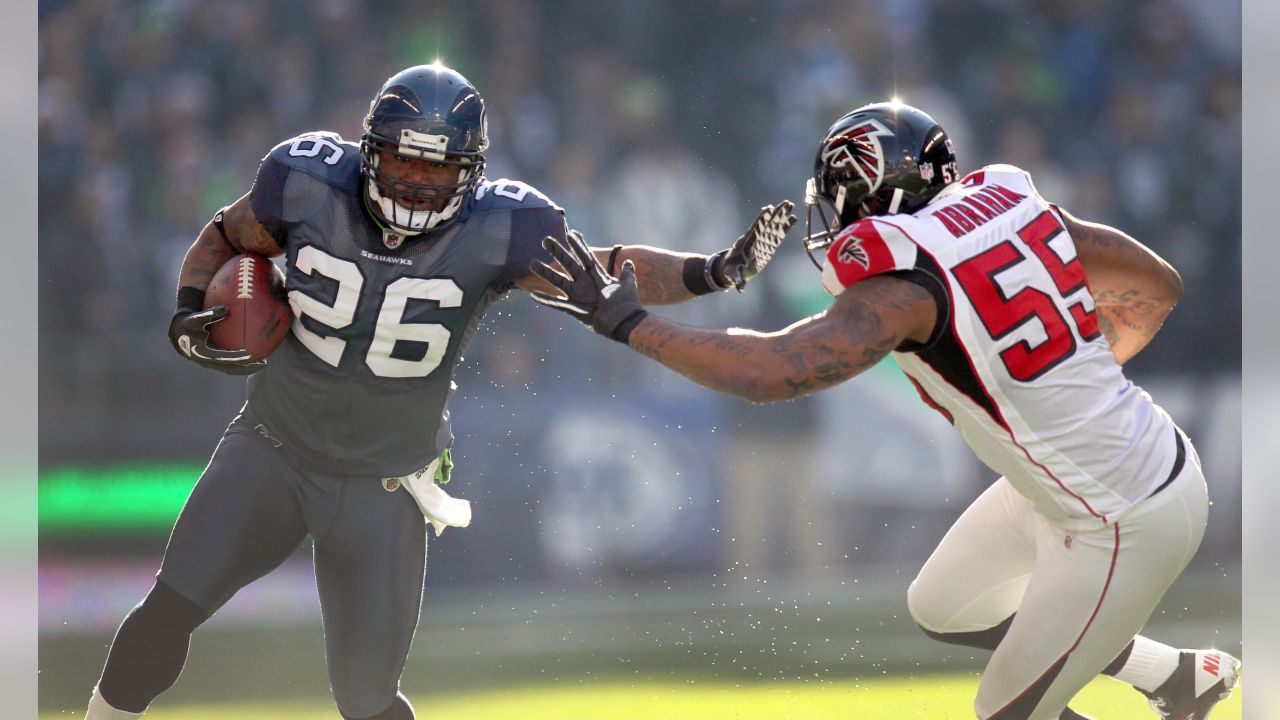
(258, 314)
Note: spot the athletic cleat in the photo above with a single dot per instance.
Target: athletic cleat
(1202, 679)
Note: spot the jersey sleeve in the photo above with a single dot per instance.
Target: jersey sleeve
(871, 248)
(323, 155)
(266, 197)
(533, 217)
(864, 249)
(528, 227)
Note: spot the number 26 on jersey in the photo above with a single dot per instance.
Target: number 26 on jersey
(389, 328)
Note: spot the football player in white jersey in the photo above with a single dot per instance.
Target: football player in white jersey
(1011, 318)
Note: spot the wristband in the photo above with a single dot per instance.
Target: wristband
(715, 270)
(190, 299)
(622, 333)
(613, 260)
(699, 275)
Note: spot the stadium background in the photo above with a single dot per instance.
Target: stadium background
(628, 524)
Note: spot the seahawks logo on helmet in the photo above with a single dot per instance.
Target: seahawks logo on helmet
(860, 148)
(853, 252)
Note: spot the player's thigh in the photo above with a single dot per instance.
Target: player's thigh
(240, 521)
(975, 578)
(1089, 594)
(370, 566)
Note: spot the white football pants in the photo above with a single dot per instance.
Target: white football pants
(1080, 596)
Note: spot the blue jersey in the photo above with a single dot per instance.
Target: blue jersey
(361, 384)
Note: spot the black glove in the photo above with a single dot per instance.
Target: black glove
(609, 306)
(189, 333)
(734, 266)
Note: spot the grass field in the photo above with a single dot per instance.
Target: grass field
(812, 650)
(938, 697)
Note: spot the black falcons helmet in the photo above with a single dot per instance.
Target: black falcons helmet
(880, 159)
(425, 112)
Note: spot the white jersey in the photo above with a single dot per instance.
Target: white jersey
(1017, 362)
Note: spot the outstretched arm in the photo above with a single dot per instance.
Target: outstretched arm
(1133, 288)
(865, 323)
(665, 277)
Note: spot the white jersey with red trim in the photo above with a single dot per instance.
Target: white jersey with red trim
(1017, 362)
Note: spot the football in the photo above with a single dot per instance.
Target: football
(258, 314)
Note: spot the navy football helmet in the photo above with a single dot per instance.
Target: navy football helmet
(880, 159)
(426, 112)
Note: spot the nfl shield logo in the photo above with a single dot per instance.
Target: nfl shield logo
(390, 484)
(392, 240)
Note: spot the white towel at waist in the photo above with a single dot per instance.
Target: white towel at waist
(437, 506)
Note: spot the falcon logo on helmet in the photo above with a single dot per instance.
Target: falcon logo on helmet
(859, 148)
(884, 158)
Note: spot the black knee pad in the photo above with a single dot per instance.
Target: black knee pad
(400, 710)
(985, 639)
(170, 611)
(149, 649)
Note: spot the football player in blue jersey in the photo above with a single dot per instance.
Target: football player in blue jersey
(394, 248)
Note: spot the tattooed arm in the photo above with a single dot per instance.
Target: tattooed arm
(867, 320)
(211, 249)
(1133, 288)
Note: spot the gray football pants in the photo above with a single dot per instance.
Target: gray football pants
(251, 509)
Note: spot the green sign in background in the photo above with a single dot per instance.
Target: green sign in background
(134, 497)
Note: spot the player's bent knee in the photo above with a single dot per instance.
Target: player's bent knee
(925, 609)
(937, 618)
(400, 709)
(149, 649)
(169, 609)
(986, 638)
